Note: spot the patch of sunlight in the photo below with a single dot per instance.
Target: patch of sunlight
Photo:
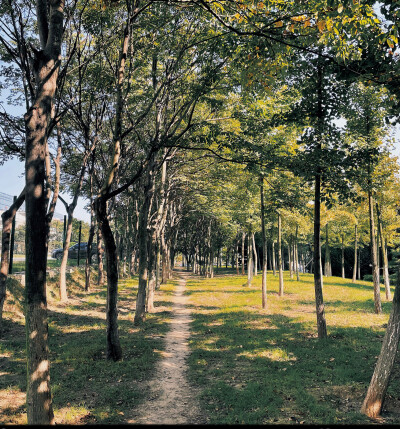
(12, 400)
(275, 354)
(81, 328)
(70, 414)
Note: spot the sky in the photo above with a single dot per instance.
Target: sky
(12, 181)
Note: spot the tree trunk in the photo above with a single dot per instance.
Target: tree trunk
(273, 259)
(249, 260)
(7, 220)
(342, 259)
(355, 253)
(100, 252)
(375, 274)
(264, 244)
(140, 313)
(297, 254)
(114, 350)
(152, 272)
(318, 284)
(50, 16)
(255, 253)
(386, 270)
(158, 264)
(88, 261)
(328, 266)
(373, 401)
(280, 293)
(359, 265)
(237, 256)
(243, 239)
(384, 256)
(290, 253)
(63, 267)
(164, 257)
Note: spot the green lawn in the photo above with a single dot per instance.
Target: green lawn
(86, 387)
(248, 365)
(268, 366)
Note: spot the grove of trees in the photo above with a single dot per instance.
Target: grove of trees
(255, 134)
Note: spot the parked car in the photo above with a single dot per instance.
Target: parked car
(73, 251)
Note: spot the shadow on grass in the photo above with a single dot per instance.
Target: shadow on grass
(361, 306)
(257, 368)
(87, 387)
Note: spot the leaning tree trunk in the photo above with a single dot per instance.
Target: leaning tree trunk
(374, 256)
(280, 293)
(355, 253)
(373, 401)
(114, 350)
(7, 220)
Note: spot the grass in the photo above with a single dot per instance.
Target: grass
(86, 387)
(249, 365)
(19, 266)
(258, 366)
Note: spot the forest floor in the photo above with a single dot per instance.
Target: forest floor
(209, 354)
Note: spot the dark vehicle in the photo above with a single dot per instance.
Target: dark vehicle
(73, 251)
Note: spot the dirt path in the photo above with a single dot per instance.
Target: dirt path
(172, 398)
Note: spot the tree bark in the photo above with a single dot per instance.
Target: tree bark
(50, 16)
(373, 401)
(355, 253)
(7, 220)
(140, 313)
(297, 254)
(342, 259)
(88, 260)
(63, 267)
(318, 284)
(328, 266)
(280, 293)
(255, 254)
(243, 239)
(375, 274)
(237, 256)
(384, 255)
(291, 258)
(114, 350)
(249, 260)
(100, 252)
(264, 244)
(273, 259)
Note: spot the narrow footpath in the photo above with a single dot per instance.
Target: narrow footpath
(172, 399)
